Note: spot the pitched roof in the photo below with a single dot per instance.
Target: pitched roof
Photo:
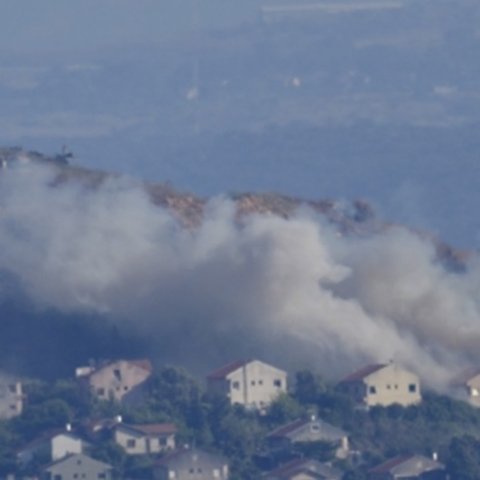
(298, 465)
(222, 372)
(325, 430)
(408, 465)
(80, 456)
(363, 372)
(461, 379)
(47, 437)
(151, 428)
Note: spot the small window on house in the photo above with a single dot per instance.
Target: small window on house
(260, 382)
(163, 441)
(84, 475)
(389, 387)
(412, 388)
(199, 470)
(396, 387)
(75, 475)
(252, 383)
(131, 443)
(277, 383)
(191, 471)
(372, 390)
(101, 392)
(101, 475)
(315, 427)
(117, 373)
(236, 385)
(13, 407)
(125, 387)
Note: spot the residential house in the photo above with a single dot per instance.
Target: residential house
(145, 439)
(52, 446)
(251, 383)
(304, 469)
(382, 384)
(120, 380)
(11, 397)
(309, 430)
(409, 467)
(77, 466)
(191, 464)
(467, 386)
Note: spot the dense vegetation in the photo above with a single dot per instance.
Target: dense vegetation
(440, 424)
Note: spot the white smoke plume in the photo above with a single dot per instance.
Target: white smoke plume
(289, 290)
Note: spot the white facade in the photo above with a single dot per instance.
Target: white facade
(11, 397)
(149, 441)
(383, 385)
(253, 383)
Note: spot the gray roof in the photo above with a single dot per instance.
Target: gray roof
(77, 462)
(408, 465)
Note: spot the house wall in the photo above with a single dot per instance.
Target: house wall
(11, 398)
(473, 390)
(143, 444)
(391, 385)
(78, 467)
(117, 380)
(193, 470)
(62, 445)
(256, 384)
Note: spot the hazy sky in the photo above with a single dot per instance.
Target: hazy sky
(50, 25)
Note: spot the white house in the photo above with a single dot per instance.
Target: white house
(11, 397)
(251, 383)
(145, 439)
(52, 446)
(382, 384)
(121, 380)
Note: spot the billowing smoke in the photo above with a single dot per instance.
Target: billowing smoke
(291, 291)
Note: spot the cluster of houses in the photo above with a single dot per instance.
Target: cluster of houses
(251, 383)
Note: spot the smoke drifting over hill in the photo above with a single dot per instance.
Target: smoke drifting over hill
(287, 290)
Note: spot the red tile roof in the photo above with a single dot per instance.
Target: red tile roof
(152, 428)
(363, 372)
(285, 429)
(385, 467)
(222, 372)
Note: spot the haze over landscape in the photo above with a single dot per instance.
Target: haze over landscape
(370, 100)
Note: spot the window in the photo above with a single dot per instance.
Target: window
(199, 470)
(102, 475)
(75, 475)
(131, 443)
(125, 387)
(372, 390)
(13, 407)
(260, 382)
(252, 383)
(163, 441)
(412, 388)
(117, 373)
(315, 427)
(101, 392)
(389, 387)
(236, 385)
(191, 471)
(277, 383)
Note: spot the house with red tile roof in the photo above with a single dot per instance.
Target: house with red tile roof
(145, 439)
(382, 384)
(409, 467)
(191, 463)
(52, 445)
(304, 469)
(120, 380)
(251, 383)
(309, 430)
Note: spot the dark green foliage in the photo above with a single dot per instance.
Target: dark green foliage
(308, 387)
(464, 458)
